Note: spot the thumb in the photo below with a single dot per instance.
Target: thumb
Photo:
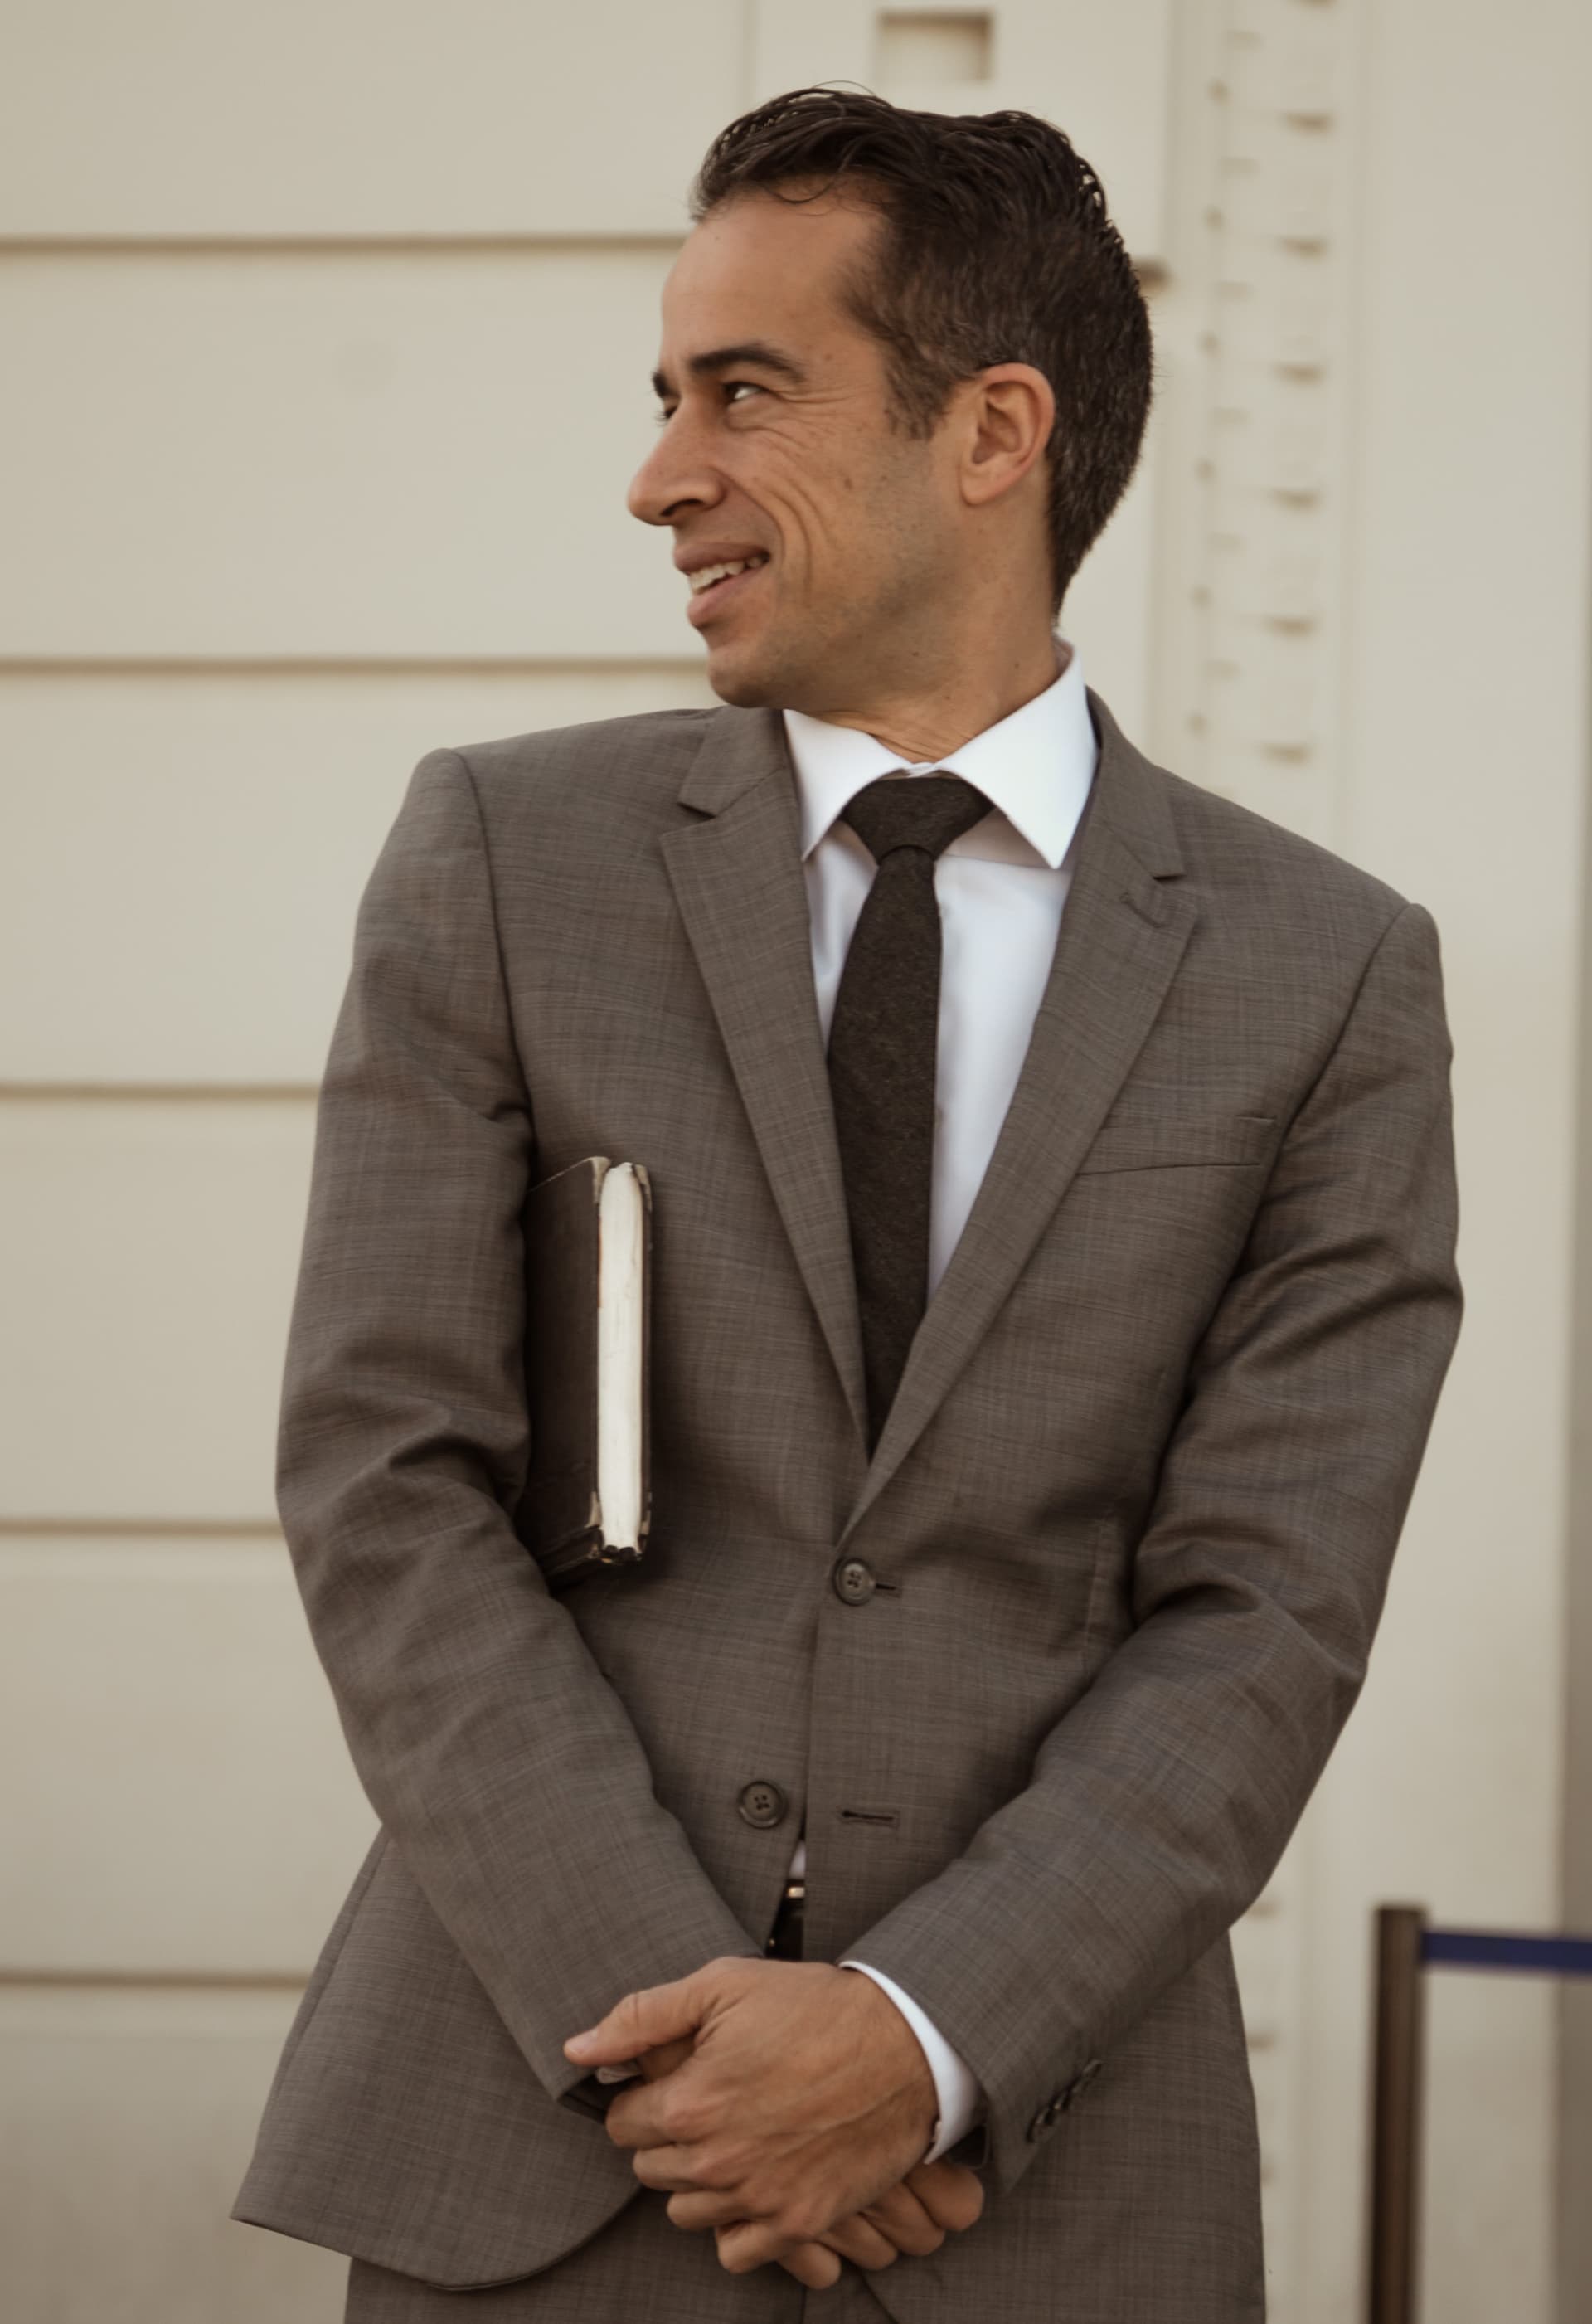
(642, 2021)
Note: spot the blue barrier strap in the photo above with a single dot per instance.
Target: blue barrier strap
(1487, 1949)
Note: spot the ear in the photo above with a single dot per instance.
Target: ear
(1010, 413)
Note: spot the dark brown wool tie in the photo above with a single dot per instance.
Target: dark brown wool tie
(882, 1045)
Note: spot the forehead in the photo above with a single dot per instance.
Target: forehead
(760, 266)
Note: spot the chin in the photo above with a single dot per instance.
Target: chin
(748, 683)
(743, 693)
(774, 668)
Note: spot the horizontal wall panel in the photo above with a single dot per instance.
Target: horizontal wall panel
(126, 2123)
(182, 858)
(210, 836)
(177, 1793)
(489, 117)
(148, 1251)
(356, 454)
(1103, 74)
(349, 456)
(359, 116)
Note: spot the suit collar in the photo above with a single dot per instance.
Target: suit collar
(1134, 797)
(741, 748)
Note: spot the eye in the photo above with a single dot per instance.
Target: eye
(666, 413)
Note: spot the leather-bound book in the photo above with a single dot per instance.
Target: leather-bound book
(588, 1265)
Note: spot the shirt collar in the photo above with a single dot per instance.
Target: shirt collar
(1035, 766)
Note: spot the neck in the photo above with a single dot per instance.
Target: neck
(925, 724)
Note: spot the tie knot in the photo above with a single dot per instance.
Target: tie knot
(925, 811)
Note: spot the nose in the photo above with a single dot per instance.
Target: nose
(674, 477)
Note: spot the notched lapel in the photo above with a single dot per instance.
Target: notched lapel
(1122, 935)
(738, 880)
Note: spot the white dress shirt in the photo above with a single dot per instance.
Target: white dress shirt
(1001, 888)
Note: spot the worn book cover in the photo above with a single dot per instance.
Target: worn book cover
(588, 1263)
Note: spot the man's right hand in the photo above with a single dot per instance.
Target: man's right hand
(934, 2199)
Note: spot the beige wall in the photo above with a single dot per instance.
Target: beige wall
(1465, 754)
(334, 324)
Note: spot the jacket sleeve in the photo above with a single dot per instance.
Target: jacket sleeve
(496, 1755)
(1159, 1805)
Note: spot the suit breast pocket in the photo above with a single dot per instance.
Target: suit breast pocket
(1180, 1142)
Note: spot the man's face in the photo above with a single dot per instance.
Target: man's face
(776, 445)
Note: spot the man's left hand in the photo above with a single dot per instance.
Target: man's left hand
(807, 2097)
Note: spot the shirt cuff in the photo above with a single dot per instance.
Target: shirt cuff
(956, 2086)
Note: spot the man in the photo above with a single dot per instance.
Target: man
(1054, 1223)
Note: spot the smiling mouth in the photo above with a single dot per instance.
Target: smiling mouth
(708, 595)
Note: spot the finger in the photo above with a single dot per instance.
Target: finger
(642, 2021)
(857, 2239)
(705, 2206)
(752, 2242)
(902, 2218)
(657, 2113)
(633, 2119)
(951, 2195)
(860, 2237)
(669, 2167)
(656, 2063)
(810, 2264)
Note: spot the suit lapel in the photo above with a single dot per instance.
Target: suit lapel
(741, 892)
(1116, 953)
(738, 882)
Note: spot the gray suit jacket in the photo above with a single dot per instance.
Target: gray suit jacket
(1130, 1518)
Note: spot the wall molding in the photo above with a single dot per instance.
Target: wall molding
(1255, 331)
(69, 1528)
(1261, 456)
(158, 1092)
(167, 667)
(154, 1980)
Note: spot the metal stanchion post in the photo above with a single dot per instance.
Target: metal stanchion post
(1395, 2115)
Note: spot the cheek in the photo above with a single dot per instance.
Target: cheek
(852, 532)
(828, 503)
(847, 526)
(814, 520)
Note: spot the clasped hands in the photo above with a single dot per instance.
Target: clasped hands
(787, 2105)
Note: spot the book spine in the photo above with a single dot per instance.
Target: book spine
(645, 1182)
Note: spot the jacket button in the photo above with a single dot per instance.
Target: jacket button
(762, 1804)
(1049, 2115)
(1081, 2080)
(854, 1580)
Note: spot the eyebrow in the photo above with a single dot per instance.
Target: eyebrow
(757, 352)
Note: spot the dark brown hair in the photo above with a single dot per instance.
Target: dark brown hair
(997, 247)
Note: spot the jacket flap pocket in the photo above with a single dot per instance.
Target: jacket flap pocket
(1169, 1141)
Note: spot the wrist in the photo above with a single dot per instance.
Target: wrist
(912, 2076)
(960, 2098)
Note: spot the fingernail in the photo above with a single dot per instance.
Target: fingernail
(578, 2044)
